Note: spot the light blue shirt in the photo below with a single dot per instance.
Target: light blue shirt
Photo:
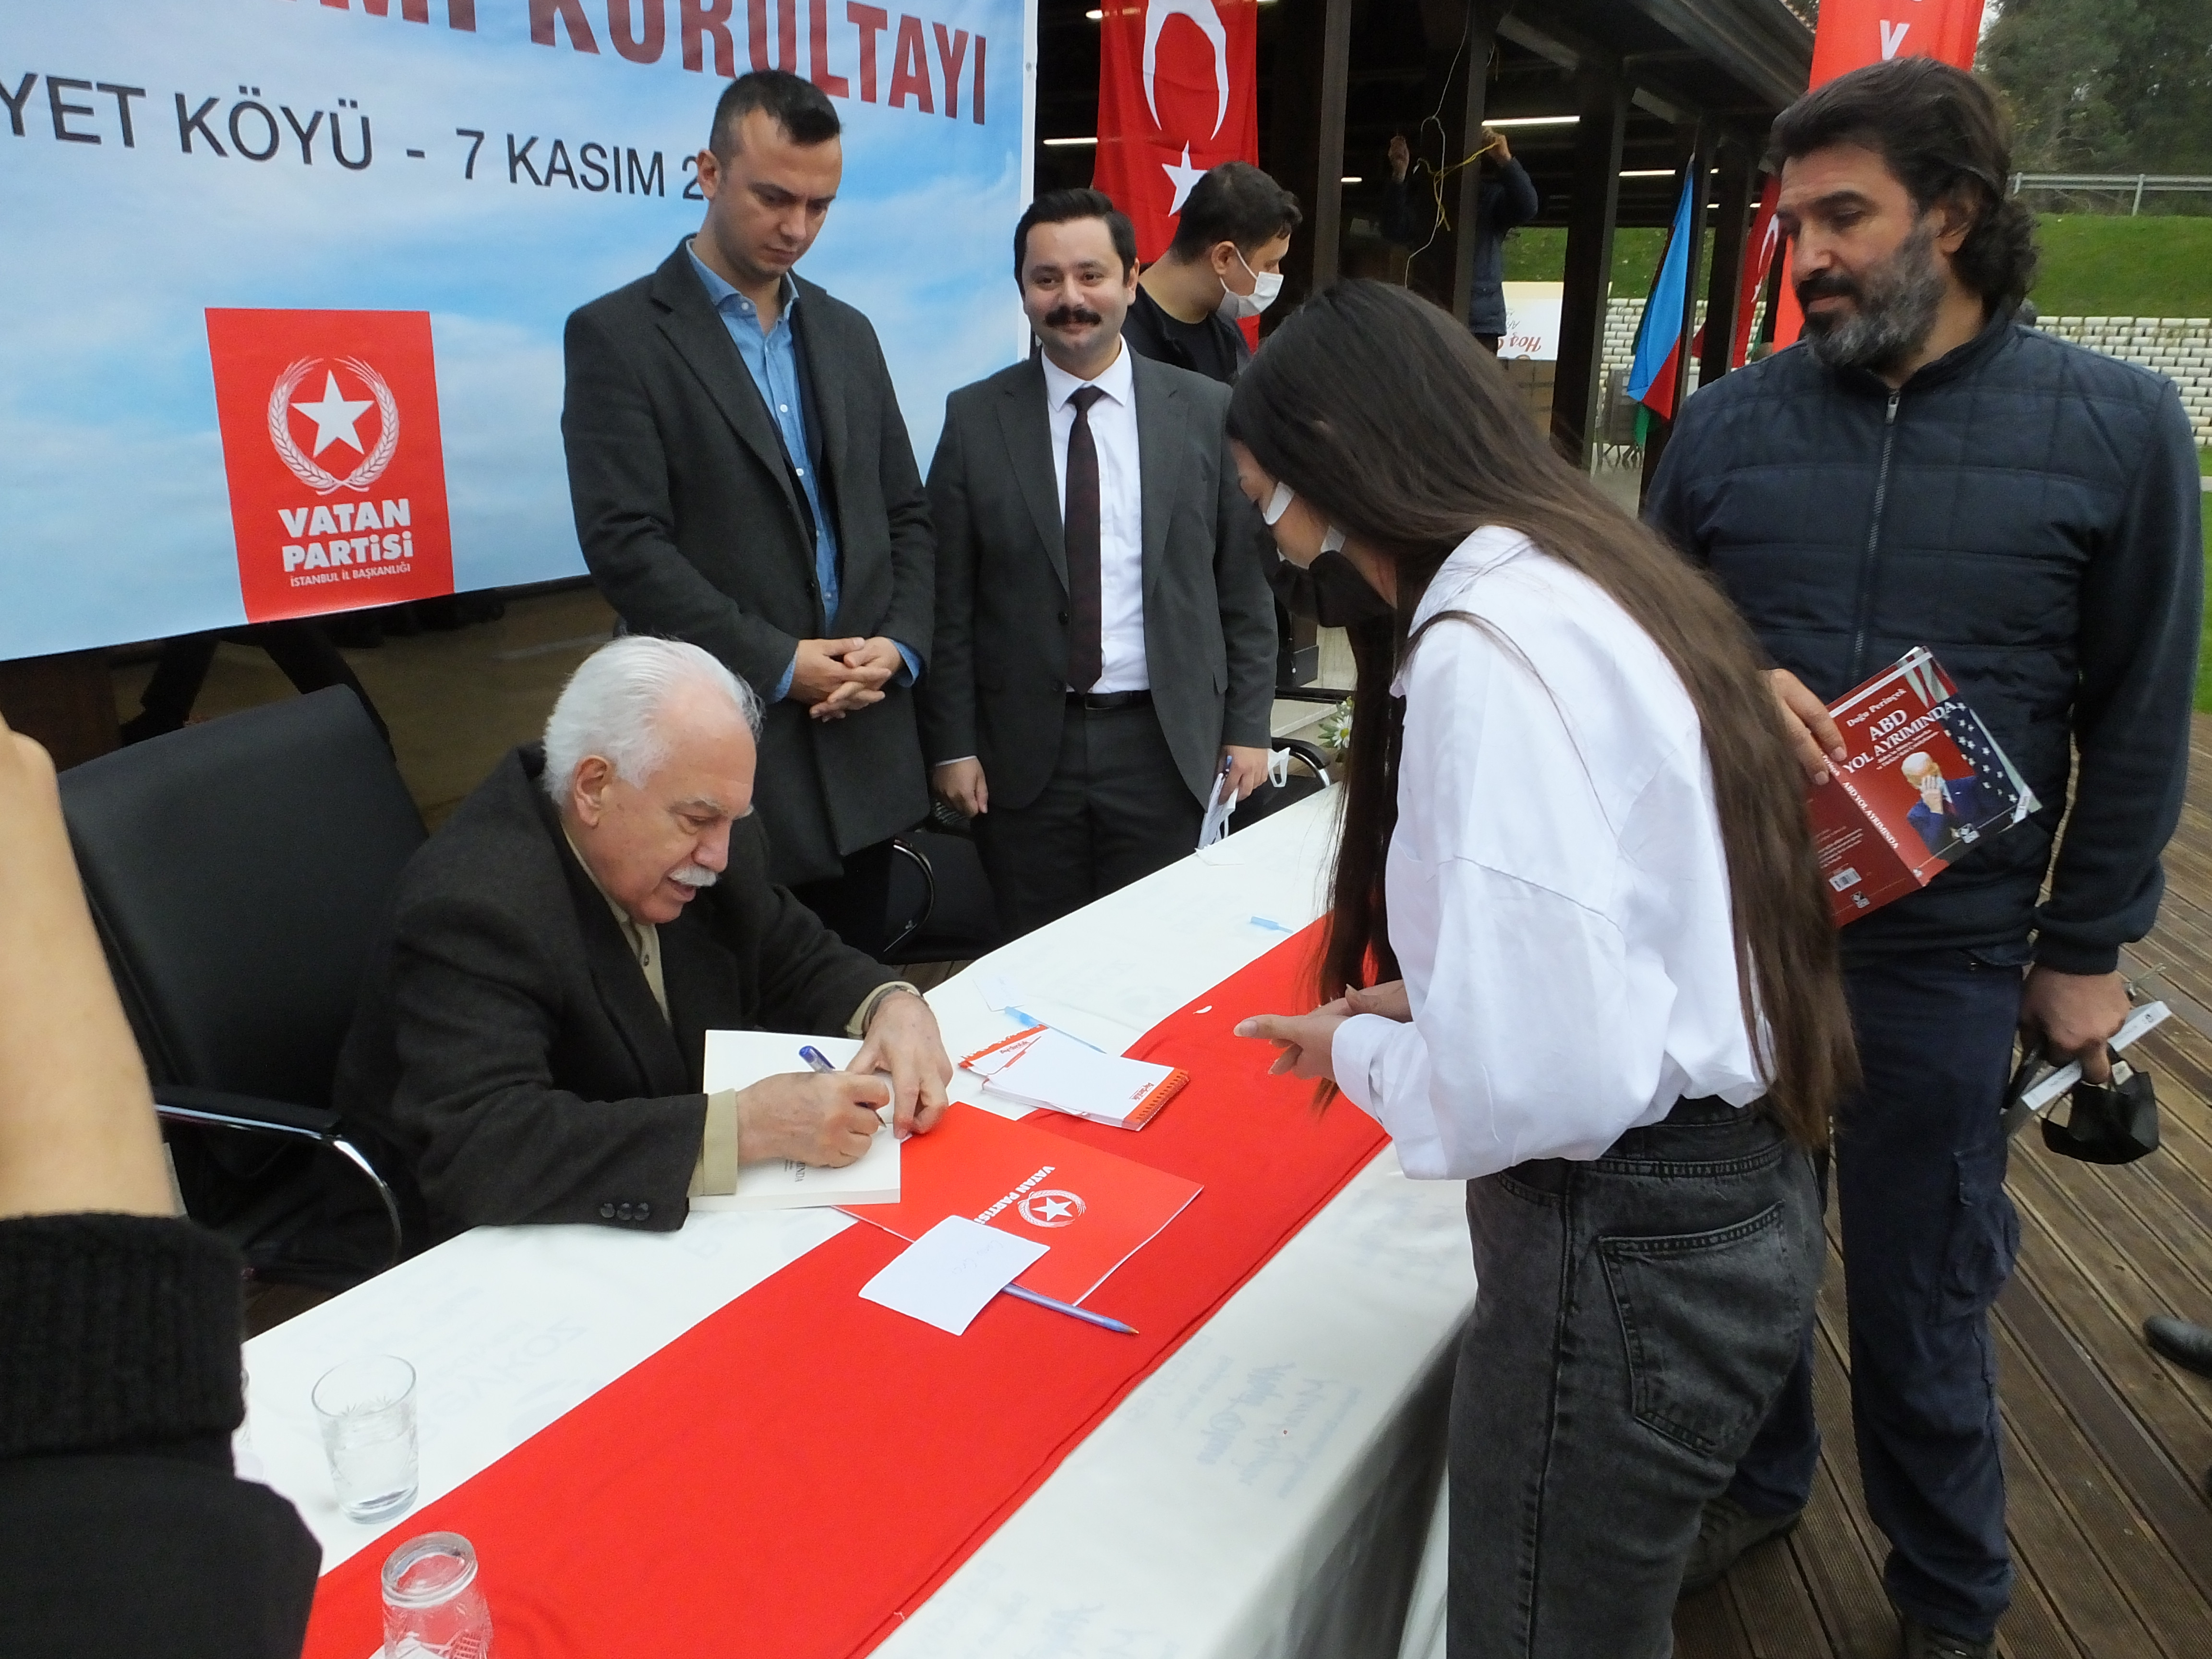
(772, 358)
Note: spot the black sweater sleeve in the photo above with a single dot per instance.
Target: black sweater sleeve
(124, 1530)
(117, 1333)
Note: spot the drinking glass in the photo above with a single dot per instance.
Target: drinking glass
(433, 1607)
(366, 1410)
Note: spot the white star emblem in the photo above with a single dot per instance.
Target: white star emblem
(1183, 176)
(1055, 1208)
(334, 416)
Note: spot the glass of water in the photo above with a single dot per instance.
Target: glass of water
(434, 1608)
(366, 1410)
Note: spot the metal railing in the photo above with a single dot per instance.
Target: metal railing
(2134, 185)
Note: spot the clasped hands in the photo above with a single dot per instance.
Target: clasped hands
(834, 678)
(1306, 1042)
(828, 1118)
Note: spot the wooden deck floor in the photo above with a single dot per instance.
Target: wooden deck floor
(2106, 1444)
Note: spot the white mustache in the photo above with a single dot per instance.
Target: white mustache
(694, 875)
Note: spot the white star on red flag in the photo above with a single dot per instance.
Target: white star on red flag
(1183, 176)
(334, 416)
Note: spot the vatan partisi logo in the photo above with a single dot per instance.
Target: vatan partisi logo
(336, 419)
(1051, 1206)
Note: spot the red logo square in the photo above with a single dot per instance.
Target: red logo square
(331, 444)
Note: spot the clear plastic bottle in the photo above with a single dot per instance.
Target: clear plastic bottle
(433, 1607)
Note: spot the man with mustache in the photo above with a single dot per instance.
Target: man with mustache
(742, 478)
(1926, 469)
(1105, 641)
(532, 1026)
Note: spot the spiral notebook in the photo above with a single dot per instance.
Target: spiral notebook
(1049, 1069)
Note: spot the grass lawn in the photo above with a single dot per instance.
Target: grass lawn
(2094, 264)
(2097, 264)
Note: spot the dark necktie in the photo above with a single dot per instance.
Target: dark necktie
(1085, 650)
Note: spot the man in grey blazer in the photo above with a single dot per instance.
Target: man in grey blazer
(1105, 642)
(743, 480)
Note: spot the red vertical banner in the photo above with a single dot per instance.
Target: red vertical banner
(331, 449)
(1176, 96)
(1853, 34)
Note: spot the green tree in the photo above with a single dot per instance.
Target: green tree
(2105, 86)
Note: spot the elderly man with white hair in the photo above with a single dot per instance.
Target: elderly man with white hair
(532, 1026)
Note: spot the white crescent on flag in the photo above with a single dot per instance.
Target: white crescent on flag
(1202, 13)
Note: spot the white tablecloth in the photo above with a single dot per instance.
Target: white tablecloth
(1266, 1491)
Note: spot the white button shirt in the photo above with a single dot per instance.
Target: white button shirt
(1559, 896)
(1121, 512)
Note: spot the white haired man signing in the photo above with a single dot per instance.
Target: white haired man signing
(532, 1026)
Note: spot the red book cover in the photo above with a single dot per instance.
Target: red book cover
(1921, 784)
(1094, 1209)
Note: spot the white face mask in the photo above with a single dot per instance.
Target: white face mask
(1280, 504)
(1265, 285)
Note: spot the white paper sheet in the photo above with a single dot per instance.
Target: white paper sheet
(736, 1059)
(945, 1277)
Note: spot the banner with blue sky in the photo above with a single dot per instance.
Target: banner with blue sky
(169, 167)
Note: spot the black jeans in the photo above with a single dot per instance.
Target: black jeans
(1634, 1316)
(1929, 1240)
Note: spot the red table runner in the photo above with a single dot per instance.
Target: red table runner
(798, 1471)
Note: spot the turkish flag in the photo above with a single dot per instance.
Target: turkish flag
(331, 447)
(1853, 34)
(1176, 97)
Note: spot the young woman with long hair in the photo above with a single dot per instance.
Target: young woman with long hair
(1578, 957)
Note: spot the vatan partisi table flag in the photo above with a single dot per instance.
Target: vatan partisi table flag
(1659, 337)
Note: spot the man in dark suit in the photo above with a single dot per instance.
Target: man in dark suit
(1105, 641)
(743, 479)
(531, 1028)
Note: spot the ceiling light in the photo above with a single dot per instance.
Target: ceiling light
(1642, 173)
(1059, 142)
(1533, 121)
(1095, 16)
(1349, 178)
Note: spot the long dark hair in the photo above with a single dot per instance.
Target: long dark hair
(1381, 411)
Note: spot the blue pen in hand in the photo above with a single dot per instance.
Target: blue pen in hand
(819, 1061)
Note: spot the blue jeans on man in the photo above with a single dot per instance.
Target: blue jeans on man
(1929, 1237)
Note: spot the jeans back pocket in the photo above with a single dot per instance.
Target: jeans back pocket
(1711, 1323)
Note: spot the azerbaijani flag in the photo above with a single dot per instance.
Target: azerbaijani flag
(1659, 337)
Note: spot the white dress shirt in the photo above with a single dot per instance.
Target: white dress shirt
(1559, 896)
(1121, 512)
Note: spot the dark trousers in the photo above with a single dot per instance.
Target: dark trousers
(1929, 1240)
(1634, 1316)
(298, 646)
(1115, 809)
(855, 903)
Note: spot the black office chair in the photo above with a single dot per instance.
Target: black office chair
(942, 908)
(237, 872)
(1270, 798)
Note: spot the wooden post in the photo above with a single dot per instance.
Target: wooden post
(1592, 214)
(1739, 183)
(1461, 39)
(65, 702)
(1313, 58)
